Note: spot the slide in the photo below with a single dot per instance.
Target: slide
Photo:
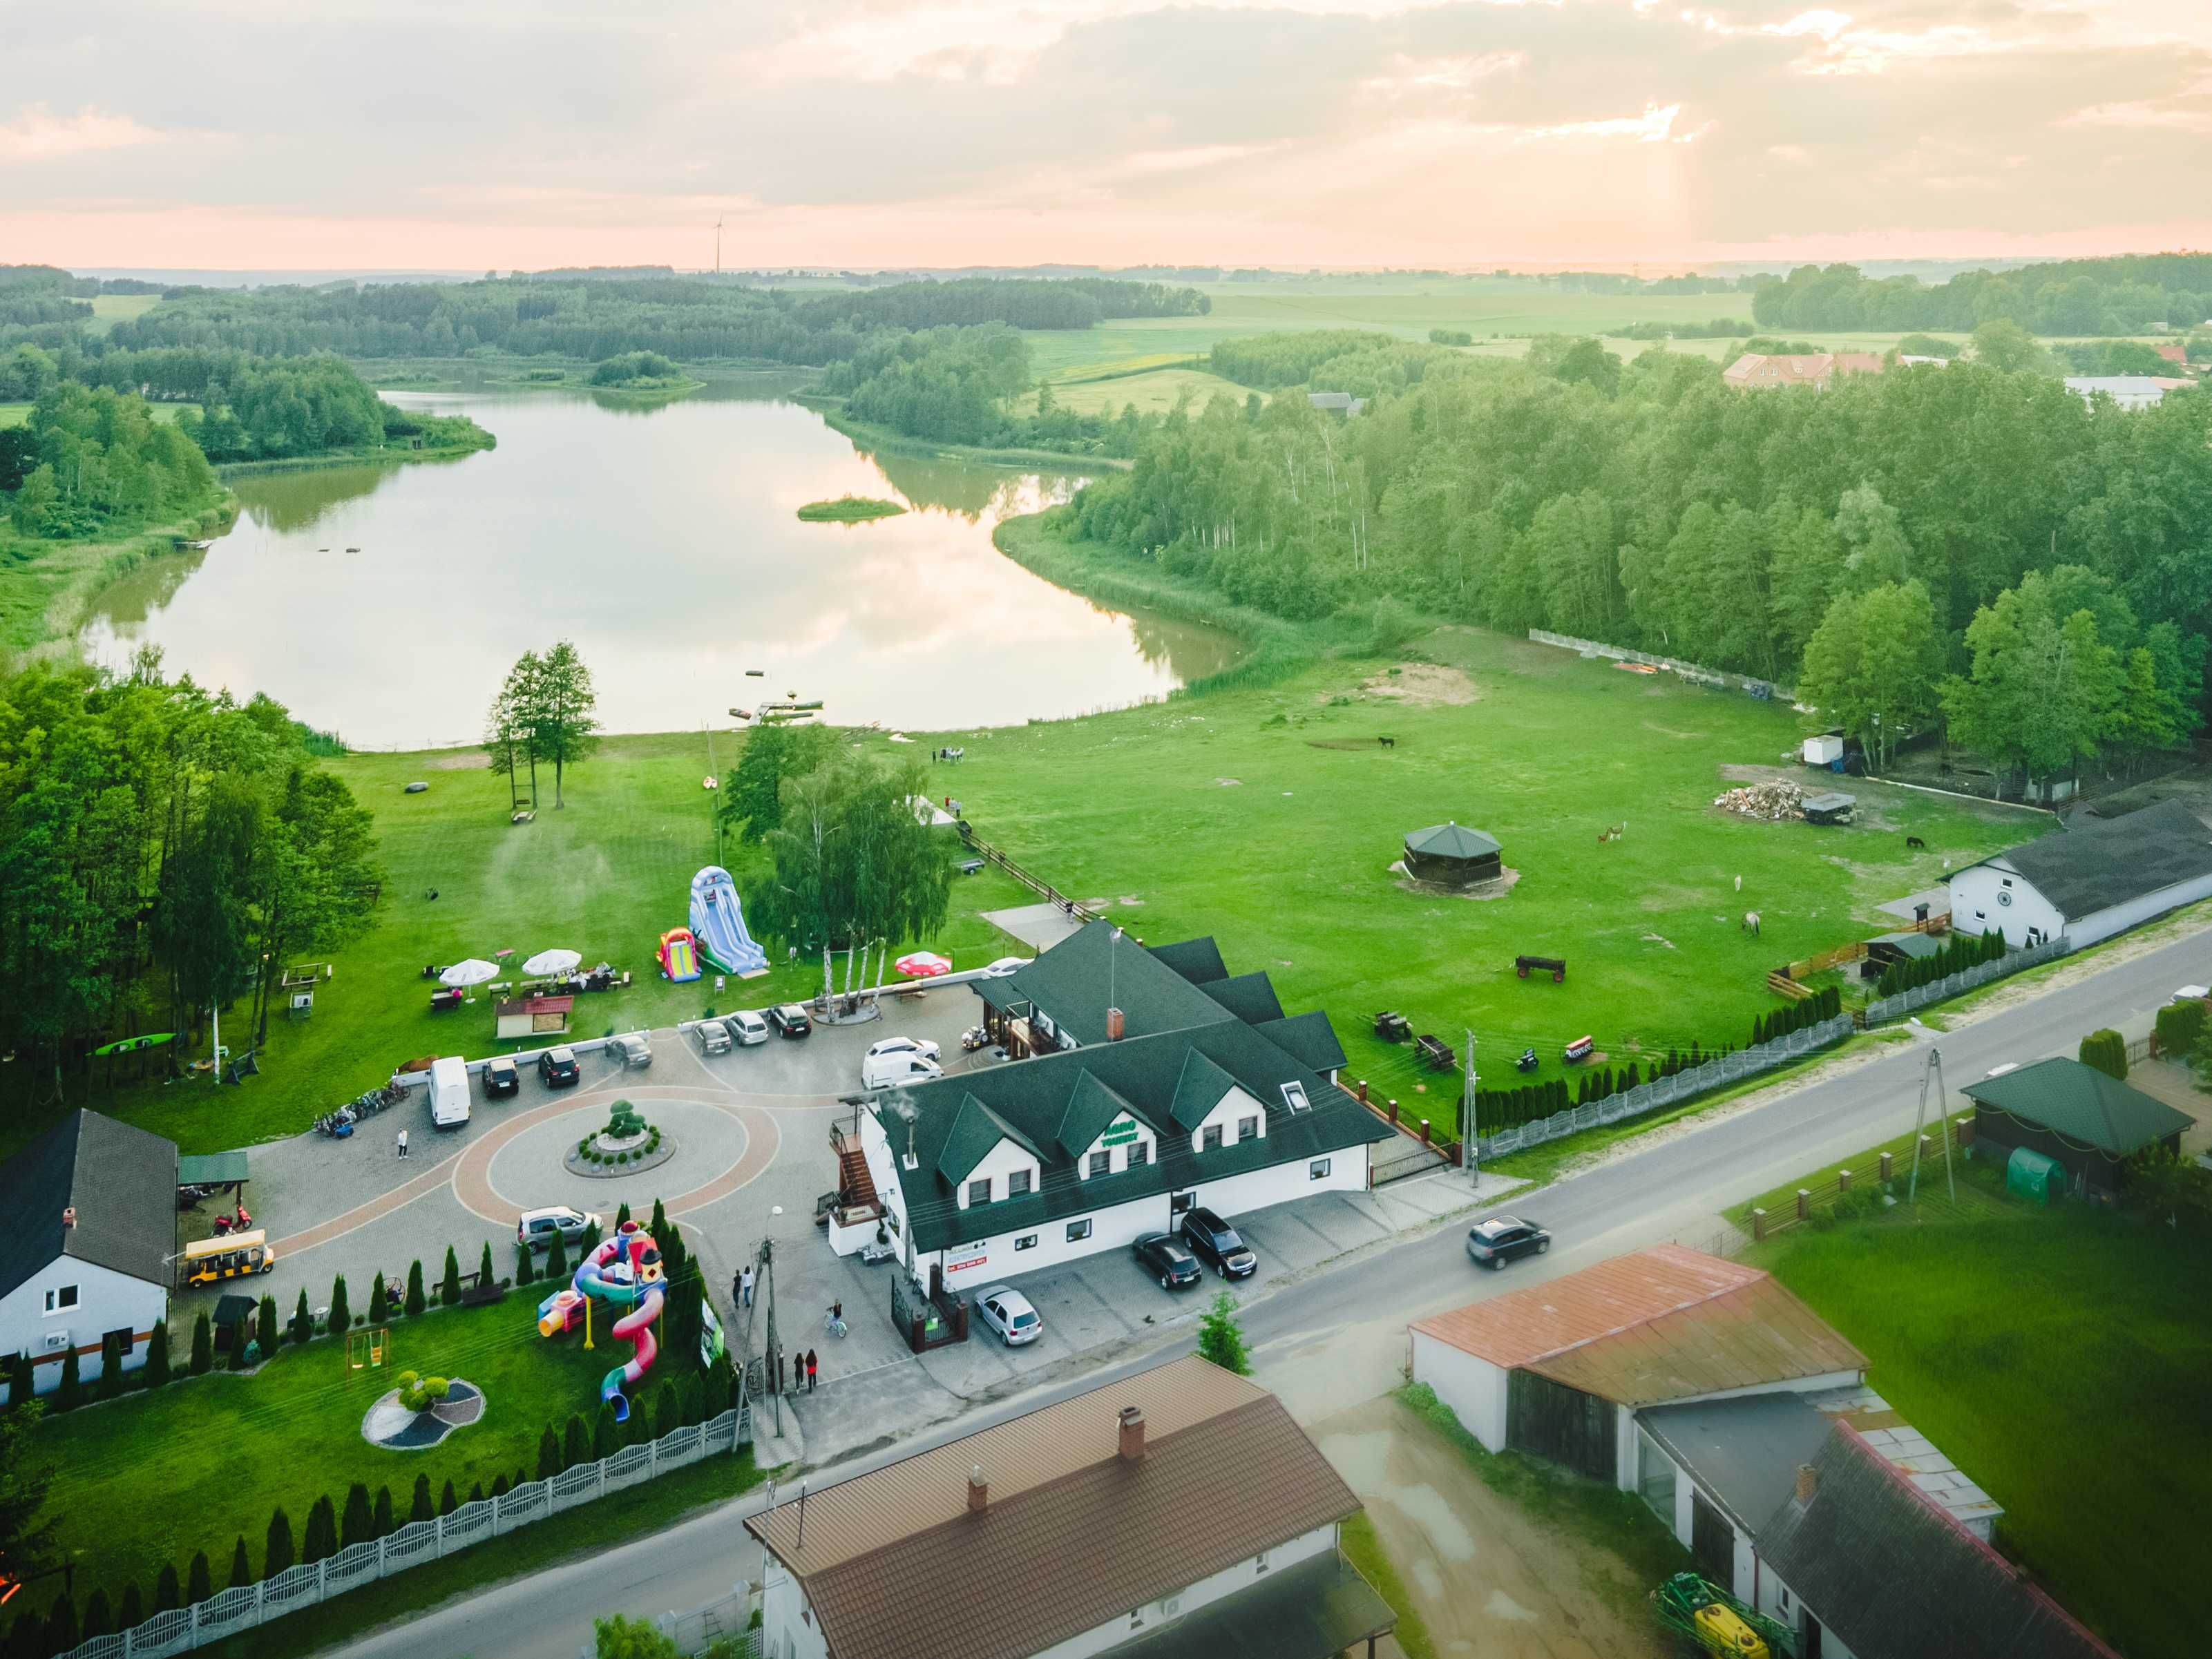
(719, 924)
(679, 955)
(623, 1273)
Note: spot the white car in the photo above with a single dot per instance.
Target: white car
(922, 1046)
(747, 1027)
(1007, 1311)
(889, 1070)
(1006, 967)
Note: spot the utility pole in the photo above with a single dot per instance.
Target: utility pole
(1466, 1119)
(1933, 1070)
(770, 1355)
(718, 247)
(714, 795)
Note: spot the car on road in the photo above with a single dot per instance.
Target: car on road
(499, 1078)
(1007, 1311)
(922, 1046)
(1006, 967)
(538, 1229)
(746, 1027)
(790, 1020)
(714, 1036)
(557, 1069)
(1215, 1242)
(631, 1050)
(893, 1070)
(1167, 1261)
(1495, 1241)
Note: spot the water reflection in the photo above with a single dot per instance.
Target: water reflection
(664, 540)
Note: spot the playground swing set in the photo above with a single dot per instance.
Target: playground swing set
(369, 1349)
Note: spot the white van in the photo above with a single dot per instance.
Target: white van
(449, 1092)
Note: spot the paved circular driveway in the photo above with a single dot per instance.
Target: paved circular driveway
(526, 1169)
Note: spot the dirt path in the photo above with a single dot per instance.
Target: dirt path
(1487, 1580)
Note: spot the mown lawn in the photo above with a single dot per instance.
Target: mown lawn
(148, 1479)
(2062, 1364)
(605, 875)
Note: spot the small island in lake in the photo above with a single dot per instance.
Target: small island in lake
(849, 509)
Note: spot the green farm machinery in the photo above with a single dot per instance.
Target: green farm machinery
(1709, 1620)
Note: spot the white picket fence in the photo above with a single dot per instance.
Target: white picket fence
(1716, 1074)
(182, 1629)
(1697, 672)
(1951, 985)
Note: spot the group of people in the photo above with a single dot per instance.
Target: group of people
(805, 1368)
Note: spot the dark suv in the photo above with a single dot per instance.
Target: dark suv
(556, 1068)
(1494, 1242)
(499, 1079)
(1163, 1256)
(790, 1019)
(1215, 1242)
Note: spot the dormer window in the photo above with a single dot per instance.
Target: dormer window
(1294, 1096)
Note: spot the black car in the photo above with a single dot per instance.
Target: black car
(1494, 1242)
(556, 1069)
(1167, 1261)
(790, 1020)
(1215, 1242)
(499, 1078)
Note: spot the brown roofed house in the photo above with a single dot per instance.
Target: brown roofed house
(1178, 1514)
(1818, 368)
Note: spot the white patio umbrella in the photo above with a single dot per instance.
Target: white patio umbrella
(474, 971)
(551, 961)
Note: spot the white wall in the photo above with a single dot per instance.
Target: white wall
(1778, 1603)
(788, 1630)
(1153, 1615)
(1976, 905)
(1227, 1111)
(1118, 1155)
(1001, 1162)
(1474, 1387)
(106, 1301)
(1283, 1183)
(2105, 923)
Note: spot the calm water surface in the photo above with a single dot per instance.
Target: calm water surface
(664, 542)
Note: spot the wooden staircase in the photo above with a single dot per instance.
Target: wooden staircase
(856, 1188)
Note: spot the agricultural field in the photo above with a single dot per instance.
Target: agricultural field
(2059, 1357)
(18, 413)
(109, 309)
(1153, 391)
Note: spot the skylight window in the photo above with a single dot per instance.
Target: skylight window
(1294, 1096)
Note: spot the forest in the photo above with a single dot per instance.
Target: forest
(90, 461)
(1846, 541)
(162, 850)
(2123, 295)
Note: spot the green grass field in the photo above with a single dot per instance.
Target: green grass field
(17, 414)
(849, 509)
(49, 586)
(607, 875)
(1154, 392)
(109, 309)
(148, 1479)
(2061, 1363)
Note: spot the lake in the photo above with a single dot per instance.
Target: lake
(664, 542)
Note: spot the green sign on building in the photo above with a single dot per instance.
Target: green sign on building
(1120, 1133)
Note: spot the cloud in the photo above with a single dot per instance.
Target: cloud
(36, 134)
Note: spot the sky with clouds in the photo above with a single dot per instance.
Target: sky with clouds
(497, 133)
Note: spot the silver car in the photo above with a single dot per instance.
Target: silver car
(1007, 1311)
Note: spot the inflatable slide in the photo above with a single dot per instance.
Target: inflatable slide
(719, 925)
(624, 1272)
(679, 955)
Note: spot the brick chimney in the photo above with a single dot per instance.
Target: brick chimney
(1113, 1025)
(979, 1491)
(1132, 1435)
(1808, 1480)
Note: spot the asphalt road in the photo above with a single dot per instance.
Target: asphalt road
(1338, 1337)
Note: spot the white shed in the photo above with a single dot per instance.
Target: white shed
(2094, 880)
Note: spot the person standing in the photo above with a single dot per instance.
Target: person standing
(745, 1283)
(737, 1288)
(813, 1367)
(402, 1143)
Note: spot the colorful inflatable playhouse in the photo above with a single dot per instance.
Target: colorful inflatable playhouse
(625, 1274)
(719, 925)
(679, 954)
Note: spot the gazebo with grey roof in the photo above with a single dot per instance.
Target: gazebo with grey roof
(1453, 856)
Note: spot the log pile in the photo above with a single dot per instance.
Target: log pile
(1777, 801)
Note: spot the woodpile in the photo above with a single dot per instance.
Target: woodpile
(1775, 802)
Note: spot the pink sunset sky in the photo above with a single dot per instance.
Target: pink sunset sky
(497, 133)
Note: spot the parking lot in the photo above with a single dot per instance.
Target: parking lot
(751, 1129)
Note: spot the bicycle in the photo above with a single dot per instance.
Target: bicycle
(833, 1326)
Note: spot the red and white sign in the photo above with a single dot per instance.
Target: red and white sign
(982, 1261)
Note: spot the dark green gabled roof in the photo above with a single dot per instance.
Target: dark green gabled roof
(1079, 978)
(1251, 997)
(976, 1130)
(1308, 1038)
(1198, 960)
(2081, 1103)
(1198, 1089)
(1451, 841)
(1091, 1107)
(1031, 1099)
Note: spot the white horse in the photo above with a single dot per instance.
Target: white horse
(1751, 923)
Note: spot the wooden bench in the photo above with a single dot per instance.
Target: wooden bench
(1555, 966)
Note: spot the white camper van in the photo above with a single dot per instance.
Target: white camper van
(449, 1092)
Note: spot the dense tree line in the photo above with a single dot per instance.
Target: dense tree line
(93, 462)
(162, 850)
(2123, 295)
(1648, 504)
(970, 385)
(688, 319)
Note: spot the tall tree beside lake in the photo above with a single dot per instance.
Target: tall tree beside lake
(510, 739)
(546, 709)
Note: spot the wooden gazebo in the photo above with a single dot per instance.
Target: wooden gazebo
(1453, 856)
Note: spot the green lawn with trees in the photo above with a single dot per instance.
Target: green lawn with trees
(2059, 1359)
(226, 1453)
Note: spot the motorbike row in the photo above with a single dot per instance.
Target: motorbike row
(339, 1124)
